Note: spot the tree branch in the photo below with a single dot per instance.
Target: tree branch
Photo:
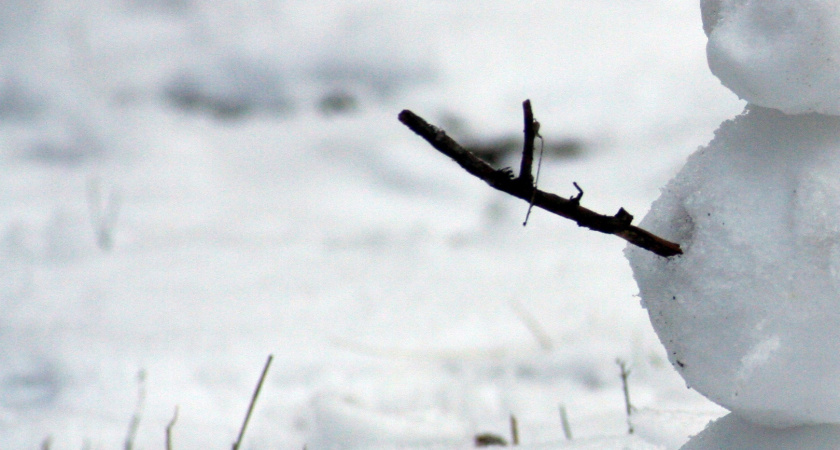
(522, 187)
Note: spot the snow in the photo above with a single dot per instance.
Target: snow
(742, 311)
(397, 295)
(777, 53)
(747, 314)
(733, 432)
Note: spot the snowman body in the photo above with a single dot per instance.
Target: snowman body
(750, 313)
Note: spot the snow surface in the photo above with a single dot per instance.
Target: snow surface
(190, 186)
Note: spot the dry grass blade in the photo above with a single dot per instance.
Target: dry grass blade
(253, 402)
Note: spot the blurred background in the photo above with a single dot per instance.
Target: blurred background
(187, 186)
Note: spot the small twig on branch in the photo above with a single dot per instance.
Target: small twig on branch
(576, 199)
(523, 188)
(532, 128)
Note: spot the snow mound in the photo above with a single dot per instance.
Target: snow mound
(733, 432)
(748, 313)
(777, 53)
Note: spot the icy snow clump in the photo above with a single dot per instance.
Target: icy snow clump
(782, 54)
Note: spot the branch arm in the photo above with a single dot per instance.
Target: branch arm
(502, 180)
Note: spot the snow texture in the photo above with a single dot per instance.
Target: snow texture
(777, 53)
(747, 312)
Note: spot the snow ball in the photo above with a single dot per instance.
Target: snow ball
(782, 54)
(748, 314)
(733, 432)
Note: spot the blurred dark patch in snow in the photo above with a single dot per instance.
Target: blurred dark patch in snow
(384, 78)
(27, 381)
(16, 101)
(44, 129)
(337, 102)
(547, 368)
(586, 373)
(68, 147)
(507, 148)
(229, 88)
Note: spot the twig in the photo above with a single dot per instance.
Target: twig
(253, 402)
(514, 431)
(625, 373)
(522, 188)
(531, 130)
(489, 440)
(169, 427)
(564, 421)
(576, 199)
(138, 412)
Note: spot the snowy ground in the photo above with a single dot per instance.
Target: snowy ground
(252, 214)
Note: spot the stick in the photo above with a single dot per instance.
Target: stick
(138, 412)
(253, 402)
(564, 421)
(531, 130)
(625, 373)
(514, 431)
(523, 188)
(169, 427)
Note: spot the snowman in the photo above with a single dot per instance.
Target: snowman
(750, 313)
